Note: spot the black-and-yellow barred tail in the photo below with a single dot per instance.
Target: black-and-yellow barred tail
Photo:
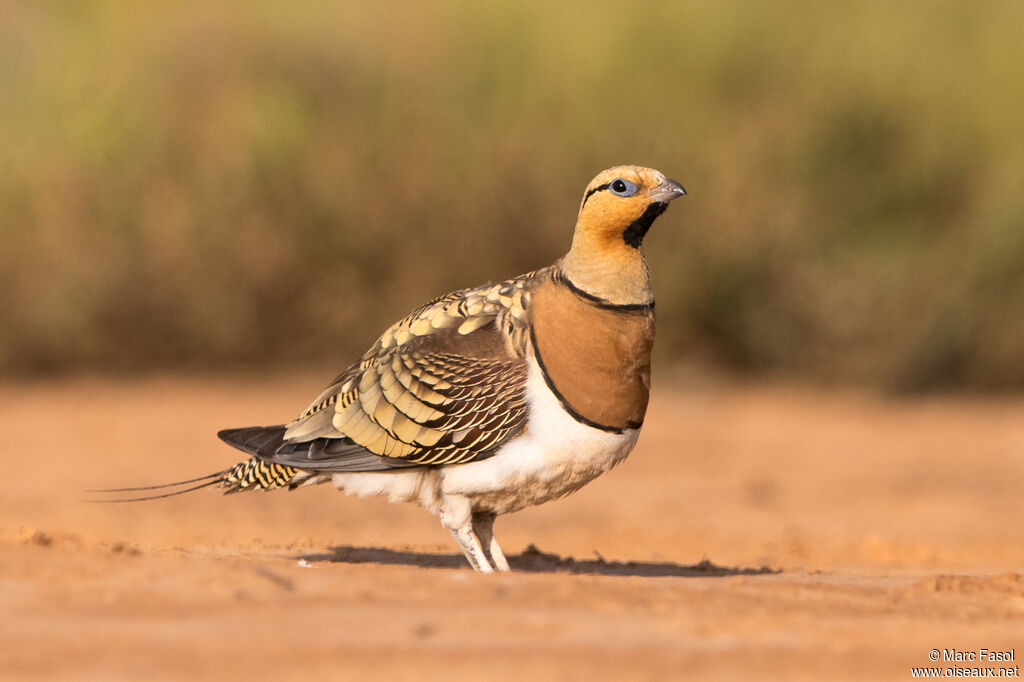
(256, 474)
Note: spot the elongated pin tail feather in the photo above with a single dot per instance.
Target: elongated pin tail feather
(214, 481)
(218, 474)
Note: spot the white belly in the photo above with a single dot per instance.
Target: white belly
(554, 456)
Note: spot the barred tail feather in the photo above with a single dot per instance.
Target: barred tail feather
(252, 474)
(256, 474)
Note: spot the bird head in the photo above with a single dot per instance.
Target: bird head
(621, 203)
(618, 208)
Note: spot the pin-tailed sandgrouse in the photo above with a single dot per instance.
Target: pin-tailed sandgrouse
(488, 400)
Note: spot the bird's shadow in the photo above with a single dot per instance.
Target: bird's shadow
(533, 560)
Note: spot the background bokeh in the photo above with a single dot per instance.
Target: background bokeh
(240, 185)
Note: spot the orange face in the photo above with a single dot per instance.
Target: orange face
(622, 202)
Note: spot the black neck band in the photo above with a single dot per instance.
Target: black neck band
(561, 278)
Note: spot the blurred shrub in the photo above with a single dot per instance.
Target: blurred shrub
(211, 184)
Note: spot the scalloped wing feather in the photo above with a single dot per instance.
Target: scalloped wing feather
(444, 385)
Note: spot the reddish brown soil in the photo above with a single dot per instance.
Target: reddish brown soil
(889, 528)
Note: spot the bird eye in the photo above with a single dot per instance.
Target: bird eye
(622, 188)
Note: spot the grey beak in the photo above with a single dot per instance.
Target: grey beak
(667, 191)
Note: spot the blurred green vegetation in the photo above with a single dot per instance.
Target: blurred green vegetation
(236, 184)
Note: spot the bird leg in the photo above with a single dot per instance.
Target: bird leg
(457, 517)
(483, 527)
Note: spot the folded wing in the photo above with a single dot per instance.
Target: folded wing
(445, 385)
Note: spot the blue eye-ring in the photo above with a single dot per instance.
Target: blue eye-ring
(622, 188)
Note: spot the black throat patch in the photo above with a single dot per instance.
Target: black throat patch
(636, 230)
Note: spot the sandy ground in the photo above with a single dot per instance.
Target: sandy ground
(756, 532)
